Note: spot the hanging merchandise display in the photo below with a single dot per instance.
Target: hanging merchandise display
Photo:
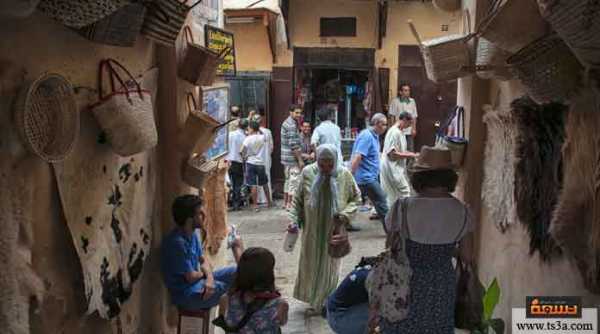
(215, 197)
(576, 222)
(17, 8)
(548, 69)
(196, 169)
(578, 23)
(109, 205)
(454, 138)
(120, 28)
(47, 118)
(446, 58)
(538, 178)
(164, 20)
(81, 13)
(499, 165)
(493, 60)
(125, 114)
(513, 24)
(195, 63)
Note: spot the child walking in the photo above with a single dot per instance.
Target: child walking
(255, 305)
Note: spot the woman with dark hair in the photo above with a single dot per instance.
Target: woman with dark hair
(255, 305)
(436, 224)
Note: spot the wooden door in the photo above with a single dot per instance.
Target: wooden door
(433, 100)
(281, 98)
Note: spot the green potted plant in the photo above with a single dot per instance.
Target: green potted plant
(487, 325)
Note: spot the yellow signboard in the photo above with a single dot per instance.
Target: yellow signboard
(218, 40)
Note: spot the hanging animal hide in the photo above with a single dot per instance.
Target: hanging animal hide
(538, 174)
(576, 222)
(499, 166)
(215, 197)
(109, 203)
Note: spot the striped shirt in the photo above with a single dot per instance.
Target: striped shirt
(290, 141)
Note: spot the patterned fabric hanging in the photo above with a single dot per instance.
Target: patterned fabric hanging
(538, 175)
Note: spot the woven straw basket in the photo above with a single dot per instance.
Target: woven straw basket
(165, 19)
(199, 130)
(446, 58)
(548, 69)
(447, 5)
(197, 64)
(513, 24)
(489, 55)
(47, 118)
(578, 23)
(196, 170)
(80, 13)
(126, 115)
(120, 28)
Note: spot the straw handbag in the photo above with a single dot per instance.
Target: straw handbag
(199, 130)
(197, 64)
(548, 69)
(121, 28)
(17, 8)
(491, 61)
(126, 115)
(165, 19)
(196, 170)
(47, 118)
(513, 24)
(447, 5)
(339, 228)
(578, 23)
(446, 58)
(80, 13)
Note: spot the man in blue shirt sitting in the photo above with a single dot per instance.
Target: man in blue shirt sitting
(186, 271)
(365, 164)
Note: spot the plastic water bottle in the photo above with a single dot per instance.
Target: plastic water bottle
(291, 237)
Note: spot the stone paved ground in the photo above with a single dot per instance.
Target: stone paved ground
(267, 229)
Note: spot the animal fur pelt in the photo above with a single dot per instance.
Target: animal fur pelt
(538, 174)
(216, 204)
(576, 222)
(499, 166)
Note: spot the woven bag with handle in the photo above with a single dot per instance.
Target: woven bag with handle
(126, 115)
(120, 28)
(196, 63)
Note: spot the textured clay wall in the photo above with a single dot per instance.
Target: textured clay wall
(251, 46)
(30, 47)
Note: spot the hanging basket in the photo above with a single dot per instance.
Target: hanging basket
(578, 23)
(47, 118)
(199, 130)
(197, 64)
(489, 55)
(548, 69)
(196, 170)
(17, 8)
(164, 20)
(446, 58)
(447, 5)
(513, 24)
(119, 29)
(80, 13)
(126, 114)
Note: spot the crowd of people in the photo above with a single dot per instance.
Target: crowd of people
(424, 224)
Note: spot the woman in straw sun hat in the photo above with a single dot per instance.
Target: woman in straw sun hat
(437, 224)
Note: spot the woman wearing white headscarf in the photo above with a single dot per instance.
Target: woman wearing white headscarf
(325, 189)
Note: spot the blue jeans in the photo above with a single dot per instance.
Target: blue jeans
(223, 280)
(352, 320)
(378, 197)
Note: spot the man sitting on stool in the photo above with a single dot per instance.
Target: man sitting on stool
(348, 305)
(186, 271)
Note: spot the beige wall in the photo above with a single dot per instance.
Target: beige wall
(251, 46)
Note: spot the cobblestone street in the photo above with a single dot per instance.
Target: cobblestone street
(266, 229)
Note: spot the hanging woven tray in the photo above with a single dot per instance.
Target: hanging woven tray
(47, 118)
(196, 170)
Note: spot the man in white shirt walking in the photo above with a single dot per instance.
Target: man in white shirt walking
(236, 163)
(260, 118)
(405, 103)
(253, 151)
(327, 132)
